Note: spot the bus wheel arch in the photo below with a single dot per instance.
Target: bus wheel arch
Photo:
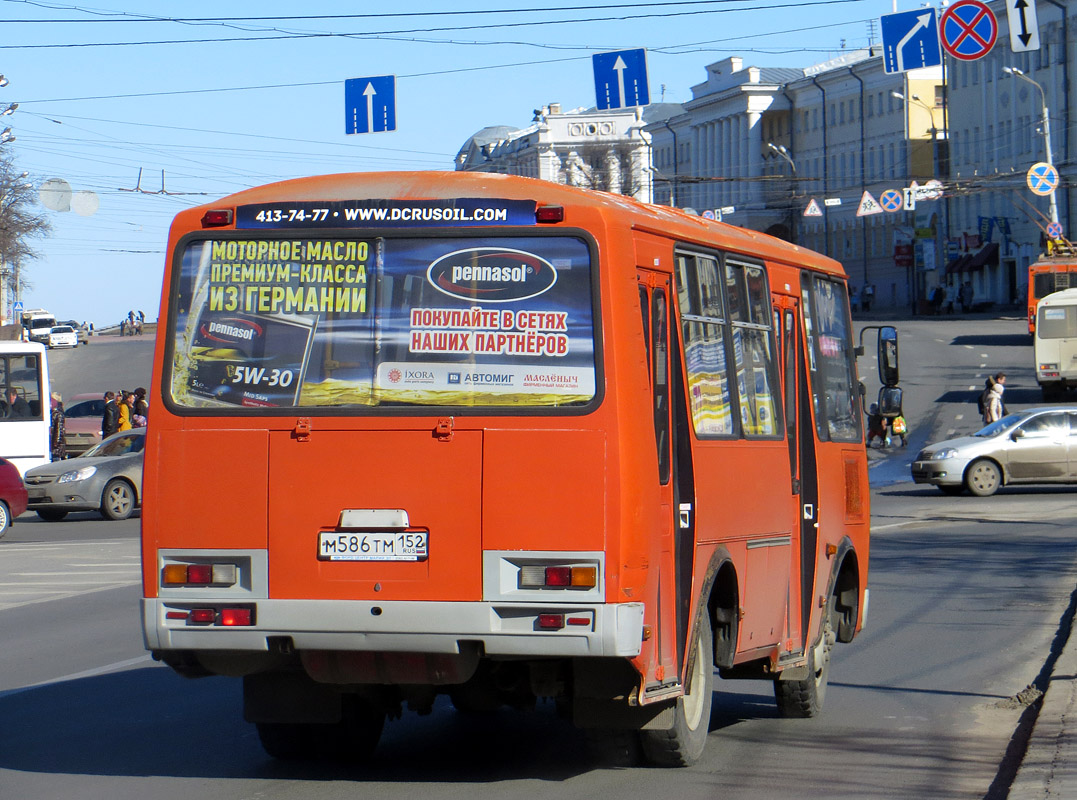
(723, 605)
(845, 608)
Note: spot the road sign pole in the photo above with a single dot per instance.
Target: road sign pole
(1052, 202)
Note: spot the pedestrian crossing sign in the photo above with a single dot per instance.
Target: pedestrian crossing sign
(868, 206)
(813, 209)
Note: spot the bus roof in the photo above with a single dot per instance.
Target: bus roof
(448, 185)
(1063, 298)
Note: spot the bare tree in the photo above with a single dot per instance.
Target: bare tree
(21, 222)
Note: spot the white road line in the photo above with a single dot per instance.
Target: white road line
(89, 673)
(65, 573)
(102, 588)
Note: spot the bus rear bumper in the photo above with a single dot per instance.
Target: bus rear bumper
(502, 629)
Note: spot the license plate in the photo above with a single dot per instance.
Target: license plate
(372, 546)
(35, 493)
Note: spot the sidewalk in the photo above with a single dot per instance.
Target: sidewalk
(1049, 768)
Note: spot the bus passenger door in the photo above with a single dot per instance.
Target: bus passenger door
(655, 298)
(801, 463)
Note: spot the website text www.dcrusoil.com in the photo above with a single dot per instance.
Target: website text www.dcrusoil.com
(425, 214)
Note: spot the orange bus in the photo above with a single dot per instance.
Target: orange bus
(1051, 273)
(496, 438)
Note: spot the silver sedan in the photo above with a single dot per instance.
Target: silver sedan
(106, 478)
(1038, 445)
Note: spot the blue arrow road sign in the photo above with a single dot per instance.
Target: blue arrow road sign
(620, 79)
(370, 104)
(910, 40)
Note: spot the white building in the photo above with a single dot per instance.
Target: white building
(758, 145)
(997, 132)
(604, 150)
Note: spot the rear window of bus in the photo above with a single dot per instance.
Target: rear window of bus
(263, 322)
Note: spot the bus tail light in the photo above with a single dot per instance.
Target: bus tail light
(537, 576)
(227, 617)
(199, 575)
(553, 622)
(550, 214)
(217, 217)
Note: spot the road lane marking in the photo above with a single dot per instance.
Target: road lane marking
(116, 666)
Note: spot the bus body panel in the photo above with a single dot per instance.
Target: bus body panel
(24, 441)
(500, 490)
(1055, 342)
(1046, 276)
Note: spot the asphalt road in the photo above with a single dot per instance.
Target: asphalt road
(967, 595)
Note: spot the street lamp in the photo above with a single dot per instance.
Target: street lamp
(783, 151)
(7, 112)
(7, 136)
(1015, 72)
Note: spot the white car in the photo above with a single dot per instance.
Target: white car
(63, 336)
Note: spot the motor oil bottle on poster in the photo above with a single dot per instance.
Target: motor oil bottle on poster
(251, 360)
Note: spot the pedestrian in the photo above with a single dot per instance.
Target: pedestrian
(898, 428)
(981, 402)
(867, 296)
(123, 327)
(141, 409)
(16, 407)
(877, 427)
(125, 401)
(993, 404)
(110, 419)
(937, 297)
(950, 293)
(854, 298)
(57, 442)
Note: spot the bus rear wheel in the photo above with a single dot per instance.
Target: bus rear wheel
(683, 744)
(804, 698)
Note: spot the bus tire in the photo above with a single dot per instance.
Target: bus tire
(804, 698)
(352, 739)
(51, 514)
(683, 744)
(983, 477)
(5, 519)
(118, 500)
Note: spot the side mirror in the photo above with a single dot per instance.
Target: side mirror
(1018, 433)
(888, 356)
(890, 401)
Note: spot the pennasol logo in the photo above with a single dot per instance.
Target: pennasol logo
(491, 274)
(231, 330)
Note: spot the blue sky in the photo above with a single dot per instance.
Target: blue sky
(109, 89)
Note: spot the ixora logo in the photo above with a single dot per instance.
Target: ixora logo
(230, 330)
(491, 274)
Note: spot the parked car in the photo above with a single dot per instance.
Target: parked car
(12, 495)
(106, 478)
(82, 330)
(82, 422)
(63, 336)
(1037, 445)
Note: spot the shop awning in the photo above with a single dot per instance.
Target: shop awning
(988, 256)
(974, 262)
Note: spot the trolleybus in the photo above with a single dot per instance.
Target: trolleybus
(1054, 272)
(496, 438)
